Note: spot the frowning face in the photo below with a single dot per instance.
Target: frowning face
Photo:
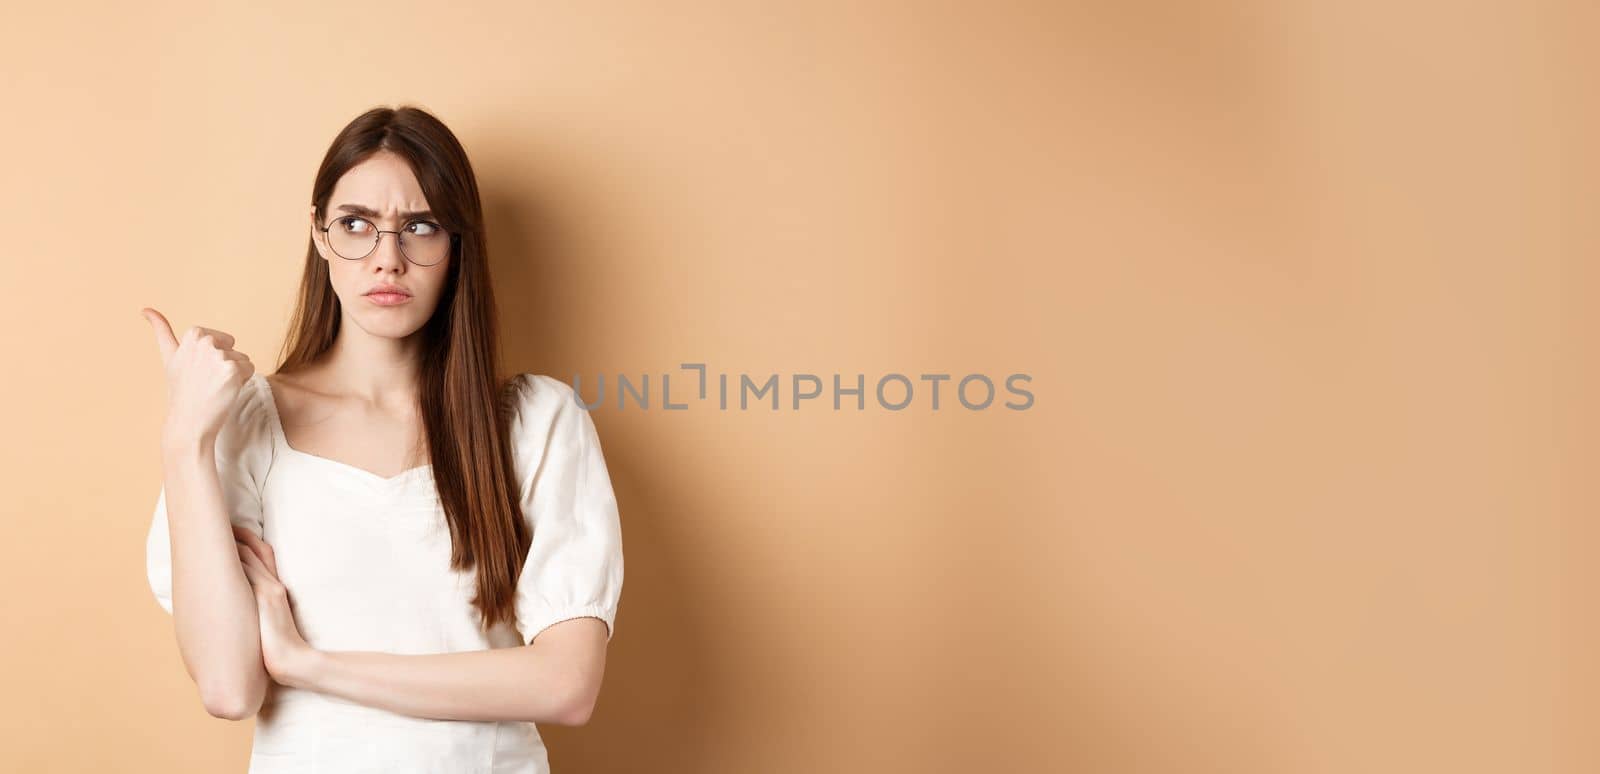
(383, 289)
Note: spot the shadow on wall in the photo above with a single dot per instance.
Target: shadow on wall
(661, 689)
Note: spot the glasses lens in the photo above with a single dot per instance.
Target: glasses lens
(424, 243)
(352, 237)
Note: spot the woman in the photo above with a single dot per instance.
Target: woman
(400, 561)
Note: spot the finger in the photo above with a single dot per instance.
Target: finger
(163, 331)
(251, 573)
(261, 583)
(261, 547)
(270, 556)
(234, 354)
(264, 557)
(247, 555)
(241, 532)
(221, 339)
(262, 579)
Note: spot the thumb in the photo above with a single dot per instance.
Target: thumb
(164, 338)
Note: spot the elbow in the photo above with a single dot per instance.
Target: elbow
(227, 707)
(231, 702)
(578, 707)
(576, 713)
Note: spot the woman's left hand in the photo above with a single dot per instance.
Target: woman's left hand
(283, 651)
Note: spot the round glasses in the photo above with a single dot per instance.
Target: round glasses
(422, 242)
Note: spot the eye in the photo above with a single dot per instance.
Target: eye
(423, 228)
(351, 224)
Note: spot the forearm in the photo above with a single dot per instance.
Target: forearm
(213, 605)
(519, 683)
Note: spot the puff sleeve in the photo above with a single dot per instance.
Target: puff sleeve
(243, 455)
(574, 566)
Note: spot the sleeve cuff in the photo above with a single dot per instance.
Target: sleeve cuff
(541, 620)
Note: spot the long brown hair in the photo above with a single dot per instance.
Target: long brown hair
(465, 405)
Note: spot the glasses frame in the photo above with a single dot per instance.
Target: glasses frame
(455, 239)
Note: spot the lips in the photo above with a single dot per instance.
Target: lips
(388, 289)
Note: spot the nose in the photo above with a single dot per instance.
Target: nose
(386, 256)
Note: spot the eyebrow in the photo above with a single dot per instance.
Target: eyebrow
(357, 209)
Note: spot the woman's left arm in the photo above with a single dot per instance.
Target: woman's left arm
(556, 679)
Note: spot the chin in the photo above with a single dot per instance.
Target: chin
(388, 325)
(395, 329)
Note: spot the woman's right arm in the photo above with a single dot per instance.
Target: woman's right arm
(213, 604)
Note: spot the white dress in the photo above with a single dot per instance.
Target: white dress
(366, 562)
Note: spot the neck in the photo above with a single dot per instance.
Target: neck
(382, 370)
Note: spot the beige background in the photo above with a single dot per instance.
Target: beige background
(1305, 289)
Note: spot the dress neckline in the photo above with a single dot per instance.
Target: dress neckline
(282, 440)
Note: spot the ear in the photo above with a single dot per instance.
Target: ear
(316, 233)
